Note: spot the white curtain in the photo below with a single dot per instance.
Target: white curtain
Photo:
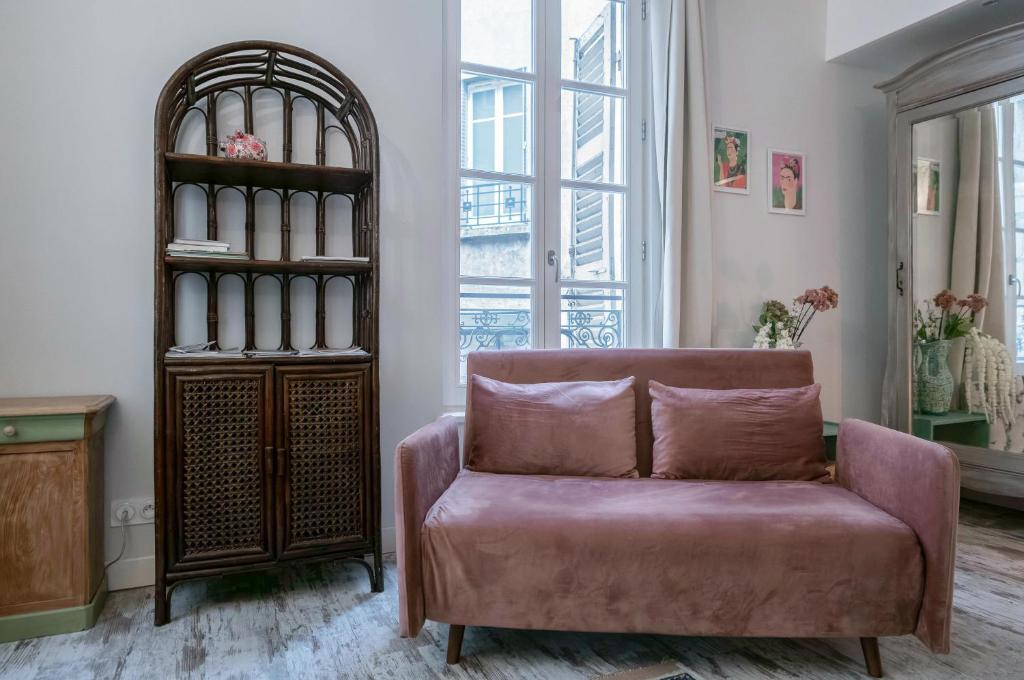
(977, 263)
(679, 204)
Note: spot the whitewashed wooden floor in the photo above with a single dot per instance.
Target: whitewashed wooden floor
(322, 622)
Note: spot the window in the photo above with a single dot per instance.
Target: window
(540, 103)
(1010, 135)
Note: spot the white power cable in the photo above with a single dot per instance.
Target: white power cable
(124, 540)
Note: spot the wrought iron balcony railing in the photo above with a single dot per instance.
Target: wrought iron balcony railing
(492, 204)
(586, 322)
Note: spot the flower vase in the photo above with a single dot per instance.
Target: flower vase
(933, 377)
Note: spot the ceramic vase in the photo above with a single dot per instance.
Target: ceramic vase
(933, 377)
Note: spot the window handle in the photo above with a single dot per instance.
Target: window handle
(1014, 281)
(553, 262)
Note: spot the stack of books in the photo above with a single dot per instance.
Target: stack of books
(332, 352)
(184, 247)
(203, 349)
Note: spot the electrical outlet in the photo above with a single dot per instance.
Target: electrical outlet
(133, 511)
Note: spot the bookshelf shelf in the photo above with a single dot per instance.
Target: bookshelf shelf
(225, 265)
(183, 167)
(294, 438)
(185, 360)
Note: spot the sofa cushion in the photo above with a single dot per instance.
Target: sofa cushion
(737, 434)
(786, 559)
(583, 428)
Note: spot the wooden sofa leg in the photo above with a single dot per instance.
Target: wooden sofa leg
(455, 633)
(872, 657)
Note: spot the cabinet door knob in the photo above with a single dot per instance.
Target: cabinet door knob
(10, 430)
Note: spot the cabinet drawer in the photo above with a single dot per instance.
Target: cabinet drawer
(28, 429)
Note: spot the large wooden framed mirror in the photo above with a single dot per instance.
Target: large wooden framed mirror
(955, 369)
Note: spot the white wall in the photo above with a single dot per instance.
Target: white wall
(767, 75)
(937, 139)
(76, 190)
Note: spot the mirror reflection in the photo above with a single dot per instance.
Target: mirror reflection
(967, 197)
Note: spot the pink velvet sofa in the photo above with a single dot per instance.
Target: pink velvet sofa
(871, 555)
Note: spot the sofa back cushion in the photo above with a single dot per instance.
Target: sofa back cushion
(737, 434)
(583, 428)
(721, 369)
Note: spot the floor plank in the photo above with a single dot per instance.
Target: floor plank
(321, 621)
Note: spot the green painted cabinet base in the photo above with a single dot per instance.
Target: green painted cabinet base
(55, 621)
(958, 427)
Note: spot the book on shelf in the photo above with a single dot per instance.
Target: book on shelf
(220, 255)
(204, 349)
(334, 258)
(332, 352)
(196, 244)
(184, 247)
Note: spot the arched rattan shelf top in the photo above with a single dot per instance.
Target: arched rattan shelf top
(263, 64)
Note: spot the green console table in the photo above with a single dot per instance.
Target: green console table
(958, 427)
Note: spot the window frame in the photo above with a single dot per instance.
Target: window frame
(1011, 231)
(544, 177)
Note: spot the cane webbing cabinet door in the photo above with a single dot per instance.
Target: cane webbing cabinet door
(266, 442)
(323, 468)
(220, 424)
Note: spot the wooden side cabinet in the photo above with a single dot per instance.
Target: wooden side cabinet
(51, 514)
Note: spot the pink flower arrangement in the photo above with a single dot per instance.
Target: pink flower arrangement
(813, 300)
(820, 299)
(781, 327)
(945, 300)
(946, 317)
(244, 146)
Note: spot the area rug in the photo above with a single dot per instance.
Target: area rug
(668, 670)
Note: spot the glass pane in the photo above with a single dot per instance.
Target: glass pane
(513, 102)
(483, 104)
(496, 124)
(494, 228)
(592, 41)
(591, 137)
(1019, 247)
(592, 232)
(592, 317)
(1018, 126)
(492, 317)
(1020, 332)
(1018, 194)
(514, 148)
(482, 135)
(498, 33)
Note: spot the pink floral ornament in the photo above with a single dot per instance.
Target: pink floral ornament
(243, 146)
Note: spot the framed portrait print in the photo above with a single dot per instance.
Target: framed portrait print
(729, 166)
(787, 182)
(926, 185)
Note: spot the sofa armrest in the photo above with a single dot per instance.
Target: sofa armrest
(918, 482)
(426, 462)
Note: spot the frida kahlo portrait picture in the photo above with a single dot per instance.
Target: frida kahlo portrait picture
(926, 185)
(730, 162)
(787, 177)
